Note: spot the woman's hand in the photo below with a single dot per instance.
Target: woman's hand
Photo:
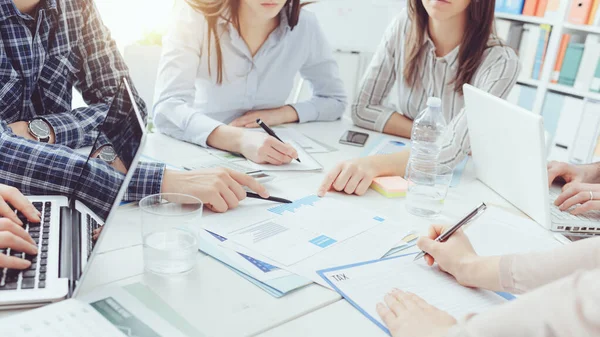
(407, 314)
(11, 195)
(586, 197)
(271, 117)
(351, 177)
(457, 257)
(264, 149)
(15, 237)
(567, 172)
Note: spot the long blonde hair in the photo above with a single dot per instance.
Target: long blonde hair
(228, 10)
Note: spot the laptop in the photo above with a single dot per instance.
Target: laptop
(509, 152)
(65, 236)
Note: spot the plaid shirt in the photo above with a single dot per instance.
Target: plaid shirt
(41, 59)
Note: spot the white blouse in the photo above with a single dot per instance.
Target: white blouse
(189, 104)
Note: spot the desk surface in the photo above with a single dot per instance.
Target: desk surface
(218, 301)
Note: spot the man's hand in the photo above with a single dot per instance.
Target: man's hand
(21, 129)
(15, 237)
(12, 196)
(272, 117)
(219, 189)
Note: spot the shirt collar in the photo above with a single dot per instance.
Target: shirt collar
(9, 9)
(450, 58)
(278, 33)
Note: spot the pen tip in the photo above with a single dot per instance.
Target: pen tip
(258, 121)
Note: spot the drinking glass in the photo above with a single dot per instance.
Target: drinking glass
(428, 185)
(170, 225)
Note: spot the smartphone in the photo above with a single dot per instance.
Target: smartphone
(354, 138)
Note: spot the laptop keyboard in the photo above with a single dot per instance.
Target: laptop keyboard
(35, 276)
(92, 225)
(592, 218)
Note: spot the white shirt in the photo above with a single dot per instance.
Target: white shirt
(189, 104)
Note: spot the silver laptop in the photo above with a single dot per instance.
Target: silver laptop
(509, 151)
(65, 236)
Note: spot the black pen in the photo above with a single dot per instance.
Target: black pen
(274, 199)
(270, 132)
(447, 234)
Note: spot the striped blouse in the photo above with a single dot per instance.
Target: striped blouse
(497, 74)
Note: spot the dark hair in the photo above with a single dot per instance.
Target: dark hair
(480, 23)
(228, 10)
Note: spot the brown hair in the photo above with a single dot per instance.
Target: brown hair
(228, 10)
(480, 23)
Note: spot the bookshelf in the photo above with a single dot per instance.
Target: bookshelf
(524, 18)
(559, 27)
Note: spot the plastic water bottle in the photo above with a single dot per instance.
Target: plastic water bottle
(426, 177)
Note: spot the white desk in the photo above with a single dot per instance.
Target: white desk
(219, 302)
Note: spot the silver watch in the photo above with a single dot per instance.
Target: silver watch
(108, 154)
(40, 130)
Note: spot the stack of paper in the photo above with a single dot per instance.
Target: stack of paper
(310, 234)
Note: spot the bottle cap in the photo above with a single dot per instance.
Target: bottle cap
(434, 102)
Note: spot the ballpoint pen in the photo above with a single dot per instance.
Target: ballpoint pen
(271, 133)
(274, 199)
(466, 220)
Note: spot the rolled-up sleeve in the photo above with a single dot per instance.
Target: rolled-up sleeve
(498, 79)
(329, 100)
(368, 109)
(174, 112)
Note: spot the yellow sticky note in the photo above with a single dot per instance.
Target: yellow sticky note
(390, 187)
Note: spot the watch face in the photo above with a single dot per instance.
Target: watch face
(40, 128)
(108, 154)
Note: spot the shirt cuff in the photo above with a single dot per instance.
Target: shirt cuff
(306, 112)
(67, 130)
(147, 180)
(199, 128)
(507, 279)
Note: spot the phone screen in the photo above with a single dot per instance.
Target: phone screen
(354, 138)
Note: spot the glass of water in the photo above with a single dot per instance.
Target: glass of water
(428, 185)
(170, 225)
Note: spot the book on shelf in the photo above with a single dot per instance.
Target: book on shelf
(530, 37)
(513, 6)
(593, 12)
(596, 21)
(514, 35)
(571, 64)
(502, 29)
(580, 11)
(526, 98)
(553, 105)
(568, 121)
(595, 87)
(530, 7)
(587, 133)
(553, 11)
(589, 61)
(564, 43)
(499, 6)
(540, 55)
(541, 8)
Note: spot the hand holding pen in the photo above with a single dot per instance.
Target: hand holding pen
(272, 133)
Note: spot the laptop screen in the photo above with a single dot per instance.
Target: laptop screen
(123, 129)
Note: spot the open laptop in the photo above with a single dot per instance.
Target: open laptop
(509, 151)
(65, 234)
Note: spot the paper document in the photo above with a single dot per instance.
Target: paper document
(276, 282)
(308, 163)
(389, 146)
(113, 311)
(294, 136)
(365, 284)
(304, 228)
